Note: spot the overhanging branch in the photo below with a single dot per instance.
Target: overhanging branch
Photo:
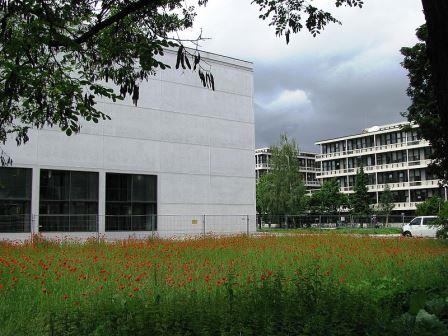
(131, 8)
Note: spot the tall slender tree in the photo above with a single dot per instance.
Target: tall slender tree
(386, 203)
(281, 190)
(360, 199)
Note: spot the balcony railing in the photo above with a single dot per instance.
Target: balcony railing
(377, 168)
(309, 169)
(405, 185)
(406, 205)
(262, 165)
(398, 185)
(301, 168)
(381, 148)
(312, 183)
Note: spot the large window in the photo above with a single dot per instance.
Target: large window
(15, 199)
(131, 202)
(68, 201)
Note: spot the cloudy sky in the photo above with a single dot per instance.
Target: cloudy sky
(336, 84)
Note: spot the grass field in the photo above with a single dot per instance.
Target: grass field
(304, 284)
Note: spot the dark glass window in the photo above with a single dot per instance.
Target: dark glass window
(416, 221)
(131, 202)
(414, 154)
(430, 221)
(15, 199)
(68, 201)
(415, 175)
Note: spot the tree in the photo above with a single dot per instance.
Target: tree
(435, 206)
(429, 207)
(264, 195)
(386, 203)
(436, 14)
(443, 221)
(281, 190)
(57, 56)
(360, 200)
(423, 110)
(328, 199)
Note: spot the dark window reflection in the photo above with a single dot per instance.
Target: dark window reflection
(15, 199)
(131, 202)
(68, 201)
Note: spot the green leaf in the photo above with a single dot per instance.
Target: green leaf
(417, 302)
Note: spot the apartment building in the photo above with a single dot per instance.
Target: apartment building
(183, 152)
(306, 161)
(392, 154)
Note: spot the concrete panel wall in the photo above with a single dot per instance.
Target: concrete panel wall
(198, 142)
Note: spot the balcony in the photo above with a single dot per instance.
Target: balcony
(309, 169)
(372, 150)
(301, 169)
(406, 206)
(312, 183)
(398, 186)
(376, 169)
(261, 166)
(406, 185)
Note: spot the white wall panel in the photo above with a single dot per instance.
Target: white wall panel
(199, 142)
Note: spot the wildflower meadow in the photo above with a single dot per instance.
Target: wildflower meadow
(273, 285)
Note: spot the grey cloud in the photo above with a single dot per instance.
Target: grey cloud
(342, 102)
(350, 74)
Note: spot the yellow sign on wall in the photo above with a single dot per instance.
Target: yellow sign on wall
(194, 222)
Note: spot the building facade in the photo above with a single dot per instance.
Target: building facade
(182, 153)
(391, 155)
(306, 161)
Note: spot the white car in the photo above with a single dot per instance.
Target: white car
(423, 226)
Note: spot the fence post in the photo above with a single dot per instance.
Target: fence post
(32, 228)
(97, 229)
(203, 225)
(247, 224)
(153, 221)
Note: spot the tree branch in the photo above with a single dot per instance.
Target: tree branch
(131, 8)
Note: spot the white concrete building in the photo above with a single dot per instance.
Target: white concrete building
(183, 152)
(306, 161)
(390, 155)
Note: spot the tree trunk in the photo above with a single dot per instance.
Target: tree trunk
(436, 14)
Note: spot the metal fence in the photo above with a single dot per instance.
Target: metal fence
(15, 223)
(144, 226)
(331, 221)
(119, 226)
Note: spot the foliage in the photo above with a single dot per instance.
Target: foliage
(360, 199)
(430, 207)
(328, 199)
(443, 221)
(300, 285)
(423, 110)
(386, 203)
(56, 57)
(281, 190)
(265, 197)
(286, 15)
